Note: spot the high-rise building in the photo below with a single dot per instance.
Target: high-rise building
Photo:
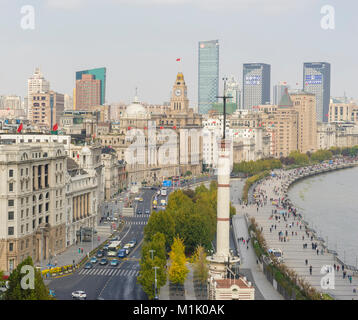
(256, 84)
(36, 84)
(278, 91)
(317, 80)
(88, 92)
(233, 90)
(208, 78)
(98, 74)
(46, 108)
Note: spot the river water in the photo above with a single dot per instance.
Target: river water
(329, 203)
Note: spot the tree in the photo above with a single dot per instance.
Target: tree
(177, 269)
(201, 270)
(300, 158)
(163, 222)
(321, 155)
(16, 292)
(147, 273)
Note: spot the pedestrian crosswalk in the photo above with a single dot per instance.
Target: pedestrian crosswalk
(136, 222)
(109, 272)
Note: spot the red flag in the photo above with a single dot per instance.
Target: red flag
(178, 59)
(55, 127)
(78, 156)
(161, 128)
(174, 127)
(129, 128)
(145, 128)
(20, 128)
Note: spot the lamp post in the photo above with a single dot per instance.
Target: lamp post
(155, 283)
(151, 253)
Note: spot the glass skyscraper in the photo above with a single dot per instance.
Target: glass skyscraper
(317, 80)
(208, 86)
(278, 91)
(255, 84)
(99, 74)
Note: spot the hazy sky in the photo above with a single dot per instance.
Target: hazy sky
(139, 40)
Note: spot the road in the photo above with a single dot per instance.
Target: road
(115, 283)
(107, 282)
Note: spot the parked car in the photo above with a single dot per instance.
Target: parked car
(100, 254)
(103, 262)
(93, 260)
(81, 295)
(114, 262)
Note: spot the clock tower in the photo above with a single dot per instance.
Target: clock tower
(179, 102)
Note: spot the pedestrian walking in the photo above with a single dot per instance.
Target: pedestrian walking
(306, 262)
(310, 270)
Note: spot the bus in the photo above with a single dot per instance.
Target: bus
(113, 248)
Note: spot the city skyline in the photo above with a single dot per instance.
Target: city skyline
(122, 52)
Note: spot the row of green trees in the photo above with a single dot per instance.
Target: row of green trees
(255, 167)
(185, 228)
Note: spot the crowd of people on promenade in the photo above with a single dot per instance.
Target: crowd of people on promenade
(287, 223)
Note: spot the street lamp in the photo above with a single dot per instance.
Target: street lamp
(155, 283)
(151, 253)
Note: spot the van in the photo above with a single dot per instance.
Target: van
(277, 253)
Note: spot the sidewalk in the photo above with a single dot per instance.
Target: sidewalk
(188, 287)
(71, 253)
(293, 251)
(248, 265)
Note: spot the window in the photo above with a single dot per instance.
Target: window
(10, 203)
(11, 246)
(11, 187)
(11, 215)
(11, 173)
(10, 231)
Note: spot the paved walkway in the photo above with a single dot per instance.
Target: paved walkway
(248, 265)
(188, 288)
(294, 253)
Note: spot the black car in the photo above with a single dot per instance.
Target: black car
(100, 254)
(139, 211)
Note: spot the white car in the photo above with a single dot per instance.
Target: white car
(127, 246)
(79, 295)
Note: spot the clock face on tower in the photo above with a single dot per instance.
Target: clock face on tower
(177, 92)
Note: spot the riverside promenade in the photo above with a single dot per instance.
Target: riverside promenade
(296, 239)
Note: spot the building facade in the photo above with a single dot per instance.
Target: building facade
(256, 85)
(98, 74)
(208, 75)
(46, 108)
(317, 80)
(88, 92)
(32, 201)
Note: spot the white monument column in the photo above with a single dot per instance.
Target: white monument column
(222, 258)
(223, 200)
